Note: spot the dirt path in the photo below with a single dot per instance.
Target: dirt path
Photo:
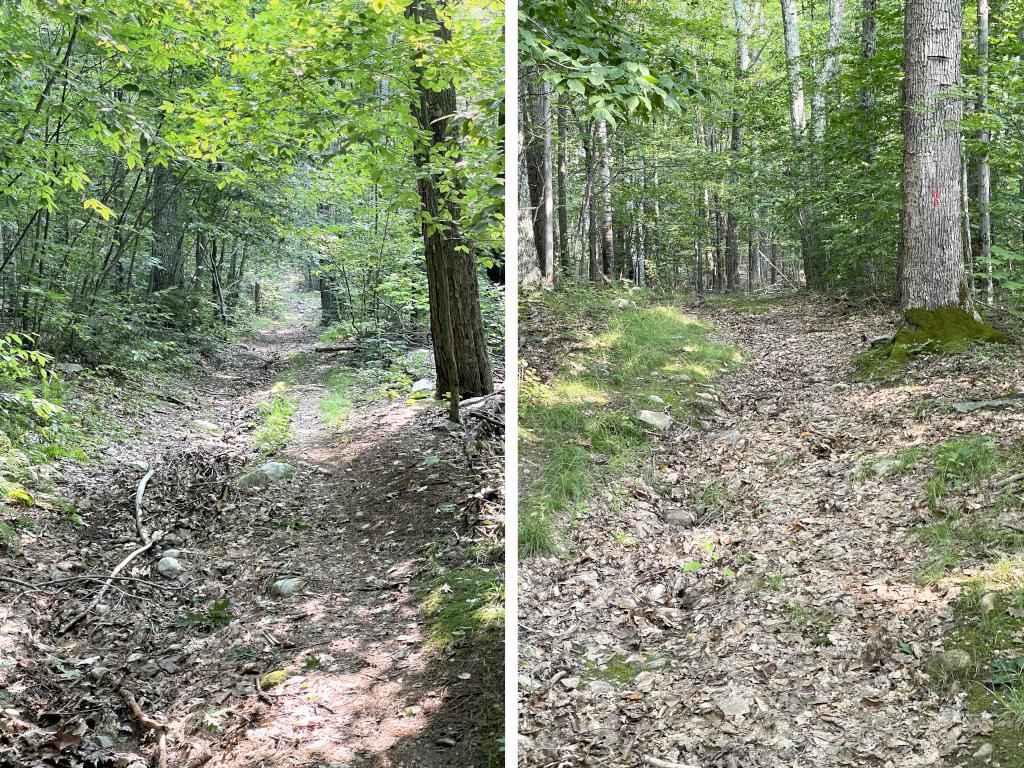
(364, 524)
(799, 639)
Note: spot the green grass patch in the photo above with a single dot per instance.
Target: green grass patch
(959, 537)
(276, 425)
(990, 632)
(336, 406)
(617, 670)
(963, 462)
(466, 607)
(578, 430)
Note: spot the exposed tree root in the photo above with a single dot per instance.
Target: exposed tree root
(150, 724)
(147, 544)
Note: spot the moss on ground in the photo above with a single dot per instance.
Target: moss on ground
(466, 607)
(578, 427)
(945, 330)
(994, 682)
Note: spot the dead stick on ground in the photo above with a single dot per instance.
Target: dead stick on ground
(147, 544)
(1009, 481)
(147, 722)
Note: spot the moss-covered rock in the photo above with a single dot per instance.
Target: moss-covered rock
(274, 678)
(944, 330)
(946, 326)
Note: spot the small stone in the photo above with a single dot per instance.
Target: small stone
(169, 567)
(69, 367)
(728, 435)
(657, 420)
(989, 603)
(287, 586)
(571, 683)
(884, 467)
(271, 679)
(984, 752)
(734, 706)
(422, 388)
(644, 681)
(656, 592)
(622, 303)
(952, 662)
(142, 466)
(656, 399)
(601, 687)
(680, 517)
(204, 426)
(171, 553)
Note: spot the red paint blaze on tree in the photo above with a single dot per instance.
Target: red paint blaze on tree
(935, 198)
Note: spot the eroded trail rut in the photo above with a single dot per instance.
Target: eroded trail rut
(799, 640)
(354, 680)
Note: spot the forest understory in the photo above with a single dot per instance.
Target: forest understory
(808, 567)
(322, 584)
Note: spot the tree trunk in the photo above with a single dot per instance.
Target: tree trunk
(819, 110)
(607, 237)
(167, 231)
(563, 192)
(931, 252)
(984, 139)
(460, 348)
(537, 111)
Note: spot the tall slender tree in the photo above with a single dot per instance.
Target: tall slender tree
(931, 248)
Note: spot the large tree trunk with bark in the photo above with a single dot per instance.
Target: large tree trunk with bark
(456, 326)
(931, 253)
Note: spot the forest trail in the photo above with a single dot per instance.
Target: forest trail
(800, 638)
(361, 529)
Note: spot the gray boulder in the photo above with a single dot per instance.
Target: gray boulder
(265, 474)
(655, 419)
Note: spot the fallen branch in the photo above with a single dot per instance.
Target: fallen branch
(150, 724)
(337, 348)
(999, 485)
(147, 544)
(139, 492)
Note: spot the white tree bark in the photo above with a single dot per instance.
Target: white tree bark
(819, 110)
(791, 33)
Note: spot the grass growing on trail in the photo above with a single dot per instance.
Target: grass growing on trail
(963, 462)
(959, 466)
(578, 429)
(466, 606)
(988, 622)
(276, 427)
(338, 403)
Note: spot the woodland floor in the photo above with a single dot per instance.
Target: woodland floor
(379, 518)
(802, 638)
